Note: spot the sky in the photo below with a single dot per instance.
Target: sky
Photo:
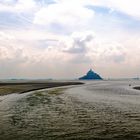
(65, 38)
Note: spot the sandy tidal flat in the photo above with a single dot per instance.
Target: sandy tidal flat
(98, 110)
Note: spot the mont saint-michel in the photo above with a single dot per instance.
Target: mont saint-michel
(91, 75)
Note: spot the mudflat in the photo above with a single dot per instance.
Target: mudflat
(22, 87)
(97, 110)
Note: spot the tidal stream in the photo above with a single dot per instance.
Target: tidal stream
(98, 110)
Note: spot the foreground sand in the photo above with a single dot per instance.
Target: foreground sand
(22, 87)
(97, 110)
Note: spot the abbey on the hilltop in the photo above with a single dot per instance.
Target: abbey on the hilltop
(91, 75)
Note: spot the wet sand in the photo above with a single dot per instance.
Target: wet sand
(98, 110)
(22, 87)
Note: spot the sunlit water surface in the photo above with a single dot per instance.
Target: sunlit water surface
(106, 110)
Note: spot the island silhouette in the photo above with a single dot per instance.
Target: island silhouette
(91, 75)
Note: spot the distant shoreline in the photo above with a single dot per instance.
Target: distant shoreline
(9, 88)
(138, 88)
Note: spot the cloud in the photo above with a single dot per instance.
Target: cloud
(49, 38)
(69, 17)
(130, 7)
(25, 5)
(61, 54)
(113, 52)
(79, 42)
(17, 13)
(17, 6)
(18, 55)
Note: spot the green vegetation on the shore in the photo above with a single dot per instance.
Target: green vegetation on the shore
(56, 91)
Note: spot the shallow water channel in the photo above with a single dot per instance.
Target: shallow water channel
(102, 110)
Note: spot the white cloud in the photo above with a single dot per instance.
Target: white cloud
(77, 42)
(7, 2)
(65, 15)
(70, 8)
(40, 50)
(130, 7)
(18, 6)
(112, 53)
(104, 56)
(25, 5)
(7, 8)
